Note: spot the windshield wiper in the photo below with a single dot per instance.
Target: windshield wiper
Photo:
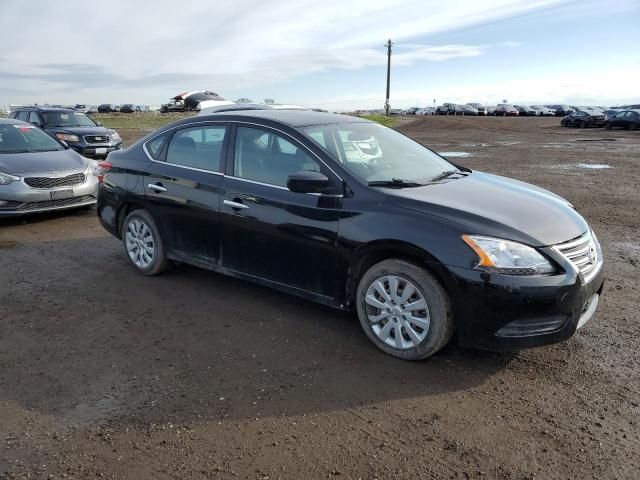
(446, 174)
(395, 182)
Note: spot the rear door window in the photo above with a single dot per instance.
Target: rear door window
(198, 147)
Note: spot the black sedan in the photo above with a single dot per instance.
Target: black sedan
(584, 119)
(629, 119)
(420, 247)
(106, 108)
(128, 108)
(526, 111)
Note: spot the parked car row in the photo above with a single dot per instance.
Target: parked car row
(420, 111)
(585, 117)
(124, 108)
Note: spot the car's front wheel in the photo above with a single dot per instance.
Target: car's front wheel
(404, 310)
(142, 243)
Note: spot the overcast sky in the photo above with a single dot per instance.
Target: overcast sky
(321, 53)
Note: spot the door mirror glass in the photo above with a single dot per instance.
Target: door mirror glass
(307, 182)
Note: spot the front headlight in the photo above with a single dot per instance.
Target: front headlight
(114, 136)
(91, 169)
(505, 256)
(67, 137)
(6, 179)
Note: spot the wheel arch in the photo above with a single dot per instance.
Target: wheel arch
(124, 210)
(374, 252)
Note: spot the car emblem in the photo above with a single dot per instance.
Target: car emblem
(593, 256)
(54, 172)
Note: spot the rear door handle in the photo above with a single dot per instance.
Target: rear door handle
(157, 188)
(235, 205)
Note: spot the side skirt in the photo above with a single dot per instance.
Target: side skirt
(314, 297)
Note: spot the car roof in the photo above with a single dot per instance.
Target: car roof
(11, 121)
(46, 109)
(293, 118)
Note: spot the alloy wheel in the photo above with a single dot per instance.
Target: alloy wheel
(140, 243)
(398, 312)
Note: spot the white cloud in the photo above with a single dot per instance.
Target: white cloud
(145, 51)
(538, 90)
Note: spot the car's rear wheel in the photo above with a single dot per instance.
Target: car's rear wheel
(583, 124)
(404, 310)
(143, 245)
(633, 126)
(607, 125)
(563, 123)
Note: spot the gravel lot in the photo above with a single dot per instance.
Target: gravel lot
(105, 373)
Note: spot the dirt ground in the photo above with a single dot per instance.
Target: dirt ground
(108, 374)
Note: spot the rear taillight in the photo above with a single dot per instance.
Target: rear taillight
(103, 167)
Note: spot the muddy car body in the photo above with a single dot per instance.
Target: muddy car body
(419, 247)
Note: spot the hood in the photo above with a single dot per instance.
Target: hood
(491, 205)
(81, 130)
(58, 161)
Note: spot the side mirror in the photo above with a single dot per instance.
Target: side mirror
(307, 182)
(36, 124)
(99, 124)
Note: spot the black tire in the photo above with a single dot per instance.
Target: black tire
(633, 126)
(441, 325)
(563, 123)
(607, 125)
(159, 261)
(583, 124)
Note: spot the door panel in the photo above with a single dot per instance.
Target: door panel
(183, 191)
(268, 231)
(186, 205)
(281, 236)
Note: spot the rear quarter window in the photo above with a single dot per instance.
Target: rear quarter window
(154, 146)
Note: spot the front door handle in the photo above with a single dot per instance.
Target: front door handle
(157, 188)
(235, 205)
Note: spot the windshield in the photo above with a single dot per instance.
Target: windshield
(374, 153)
(22, 138)
(67, 119)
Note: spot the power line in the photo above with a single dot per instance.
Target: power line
(386, 103)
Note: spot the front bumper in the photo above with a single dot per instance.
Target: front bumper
(17, 198)
(501, 312)
(91, 150)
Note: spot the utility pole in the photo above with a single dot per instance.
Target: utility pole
(386, 103)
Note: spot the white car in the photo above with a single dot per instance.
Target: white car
(282, 106)
(543, 111)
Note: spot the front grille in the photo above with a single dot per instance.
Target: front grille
(96, 138)
(584, 254)
(55, 182)
(59, 203)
